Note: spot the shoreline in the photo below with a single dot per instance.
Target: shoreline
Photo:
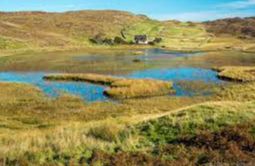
(4, 53)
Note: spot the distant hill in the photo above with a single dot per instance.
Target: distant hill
(42, 30)
(241, 27)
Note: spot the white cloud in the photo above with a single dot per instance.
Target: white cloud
(240, 4)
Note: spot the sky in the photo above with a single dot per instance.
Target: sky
(184, 10)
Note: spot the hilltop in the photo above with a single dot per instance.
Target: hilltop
(74, 30)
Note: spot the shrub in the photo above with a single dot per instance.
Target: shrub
(119, 40)
(108, 41)
(157, 40)
(94, 41)
(101, 39)
(151, 43)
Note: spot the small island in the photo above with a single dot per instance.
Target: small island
(120, 88)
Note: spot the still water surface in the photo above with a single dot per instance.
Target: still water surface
(91, 92)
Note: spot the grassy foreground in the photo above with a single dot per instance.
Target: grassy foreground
(150, 131)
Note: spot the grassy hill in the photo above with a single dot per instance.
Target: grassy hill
(73, 30)
(69, 30)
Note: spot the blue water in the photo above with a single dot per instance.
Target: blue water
(86, 91)
(91, 92)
